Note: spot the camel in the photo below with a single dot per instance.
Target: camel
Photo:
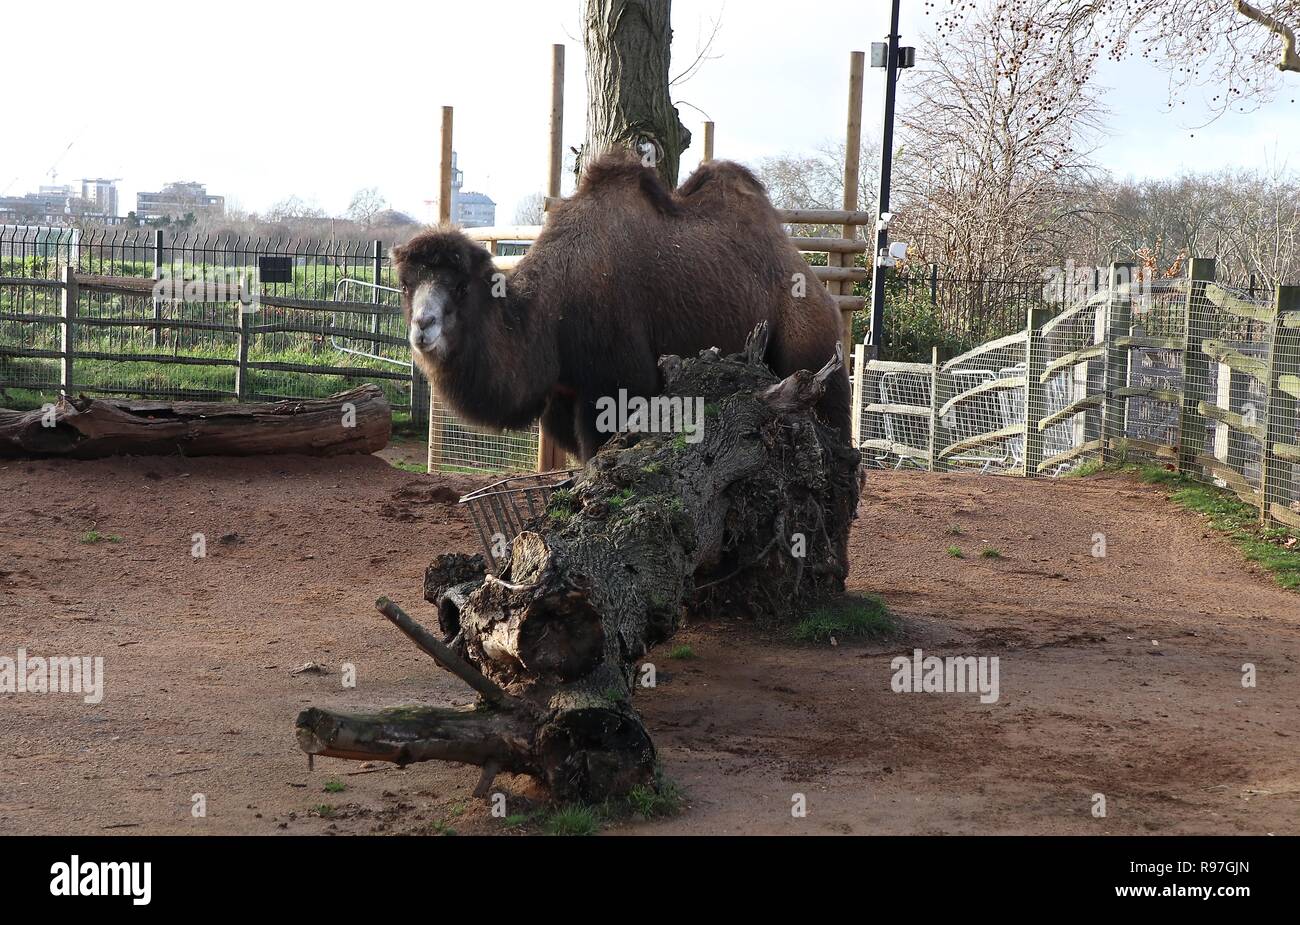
(624, 272)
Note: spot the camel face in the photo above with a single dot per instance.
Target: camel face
(433, 316)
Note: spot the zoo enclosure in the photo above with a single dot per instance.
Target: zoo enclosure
(1203, 377)
(79, 313)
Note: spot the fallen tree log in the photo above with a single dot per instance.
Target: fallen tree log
(356, 421)
(750, 514)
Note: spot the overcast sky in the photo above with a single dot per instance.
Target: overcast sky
(262, 100)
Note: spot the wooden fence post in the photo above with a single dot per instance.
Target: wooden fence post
(1035, 402)
(444, 218)
(1196, 365)
(1115, 359)
(708, 143)
(550, 456)
(1281, 454)
(68, 339)
(852, 173)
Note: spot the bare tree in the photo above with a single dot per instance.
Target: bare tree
(531, 210)
(1235, 46)
(366, 204)
(996, 138)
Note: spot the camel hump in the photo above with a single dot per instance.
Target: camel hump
(718, 176)
(620, 169)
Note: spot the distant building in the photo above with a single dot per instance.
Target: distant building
(100, 196)
(56, 205)
(468, 209)
(176, 200)
(475, 210)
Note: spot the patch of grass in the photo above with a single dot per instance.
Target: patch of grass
(324, 810)
(334, 785)
(682, 652)
(954, 530)
(562, 506)
(514, 820)
(1273, 548)
(850, 617)
(619, 498)
(990, 552)
(653, 468)
(574, 819)
(94, 536)
(1083, 470)
(956, 553)
(420, 468)
(661, 799)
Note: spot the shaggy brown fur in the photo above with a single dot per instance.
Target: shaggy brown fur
(624, 272)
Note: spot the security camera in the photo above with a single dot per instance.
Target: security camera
(898, 250)
(885, 219)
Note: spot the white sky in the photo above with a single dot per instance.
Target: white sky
(261, 100)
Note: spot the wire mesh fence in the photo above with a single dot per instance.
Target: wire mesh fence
(979, 418)
(1202, 376)
(894, 413)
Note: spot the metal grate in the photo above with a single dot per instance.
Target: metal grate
(504, 509)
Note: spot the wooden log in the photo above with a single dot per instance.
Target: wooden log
(356, 421)
(655, 525)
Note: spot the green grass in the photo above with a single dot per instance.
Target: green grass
(1276, 549)
(91, 537)
(1083, 470)
(324, 810)
(654, 802)
(619, 499)
(683, 652)
(990, 552)
(420, 468)
(956, 553)
(954, 530)
(850, 617)
(573, 819)
(334, 785)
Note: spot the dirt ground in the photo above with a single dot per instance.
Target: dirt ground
(1119, 675)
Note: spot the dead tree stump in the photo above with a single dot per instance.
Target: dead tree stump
(750, 513)
(356, 421)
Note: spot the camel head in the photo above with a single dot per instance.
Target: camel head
(446, 283)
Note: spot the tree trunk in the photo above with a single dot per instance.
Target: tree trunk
(628, 104)
(356, 421)
(752, 516)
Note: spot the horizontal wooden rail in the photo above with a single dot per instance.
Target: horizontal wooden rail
(345, 371)
(1235, 359)
(1135, 391)
(992, 385)
(1086, 403)
(829, 245)
(1231, 477)
(842, 274)
(920, 411)
(1233, 305)
(1074, 358)
(31, 281)
(1009, 341)
(1231, 419)
(898, 449)
(1069, 455)
(1148, 342)
(1002, 433)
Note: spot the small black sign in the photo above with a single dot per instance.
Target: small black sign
(275, 269)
